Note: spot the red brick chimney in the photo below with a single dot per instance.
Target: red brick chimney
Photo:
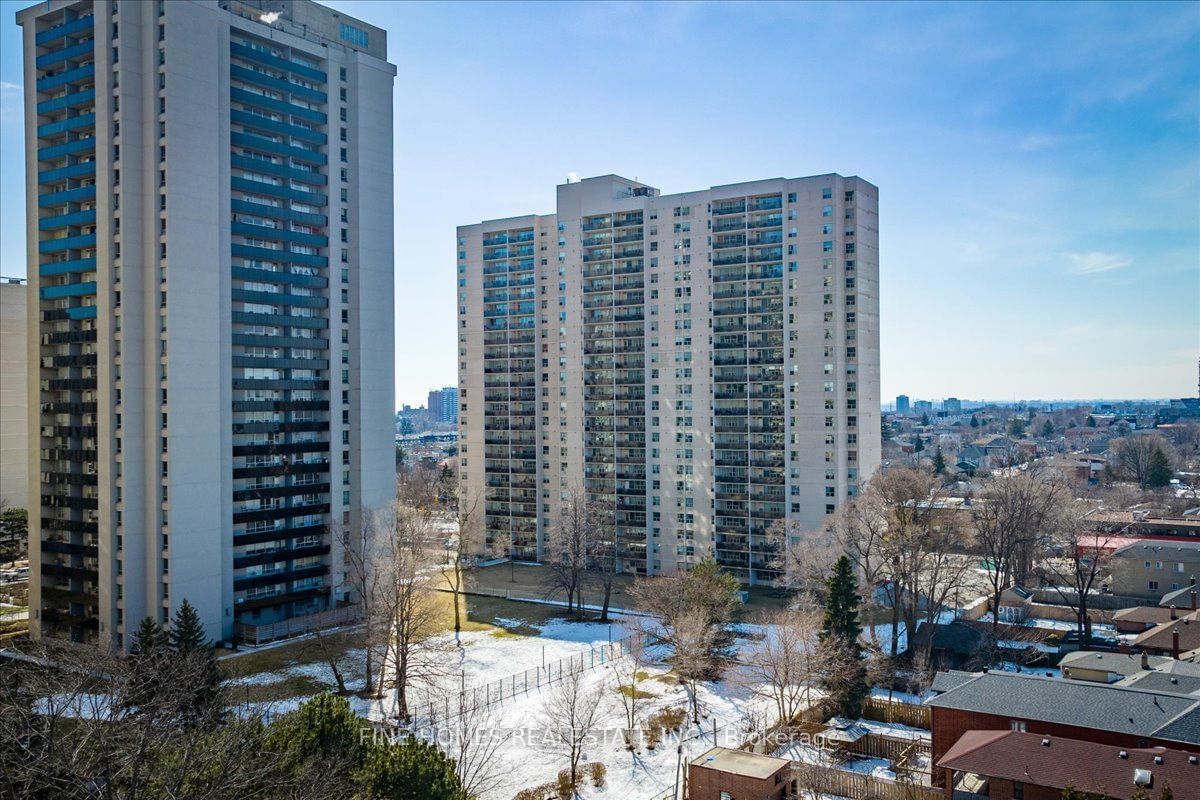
(1175, 643)
(1193, 599)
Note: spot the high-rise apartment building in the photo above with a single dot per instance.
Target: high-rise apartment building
(702, 365)
(14, 400)
(903, 405)
(209, 186)
(443, 404)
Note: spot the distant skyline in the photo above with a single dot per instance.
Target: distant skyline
(1038, 164)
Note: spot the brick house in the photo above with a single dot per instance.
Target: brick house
(1010, 765)
(725, 774)
(1121, 716)
(1151, 568)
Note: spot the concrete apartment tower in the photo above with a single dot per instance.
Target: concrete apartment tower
(209, 194)
(702, 364)
(14, 400)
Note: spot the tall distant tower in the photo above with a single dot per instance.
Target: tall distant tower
(209, 194)
(702, 365)
(902, 404)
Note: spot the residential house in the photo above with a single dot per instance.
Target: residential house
(1171, 638)
(1151, 568)
(1013, 765)
(1089, 665)
(1142, 618)
(1120, 716)
(1082, 469)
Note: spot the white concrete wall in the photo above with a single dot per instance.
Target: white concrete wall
(14, 386)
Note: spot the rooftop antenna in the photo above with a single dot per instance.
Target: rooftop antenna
(572, 177)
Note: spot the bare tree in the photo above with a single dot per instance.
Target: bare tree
(604, 553)
(366, 556)
(87, 723)
(468, 540)
(412, 654)
(1135, 455)
(1080, 558)
(628, 671)
(786, 667)
(570, 713)
(693, 609)
(695, 657)
(567, 550)
(472, 736)
(1010, 521)
(328, 647)
(802, 556)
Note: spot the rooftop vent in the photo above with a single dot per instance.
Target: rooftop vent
(1045, 742)
(1158, 759)
(1122, 754)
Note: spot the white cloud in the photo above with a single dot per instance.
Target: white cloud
(1095, 261)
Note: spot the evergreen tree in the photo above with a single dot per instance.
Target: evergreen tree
(195, 660)
(148, 667)
(918, 445)
(410, 770)
(845, 675)
(149, 638)
(841, 603)
(1016, 427)
(1091, 421)
(187, 631)
(974, 421)
(1047, 429)
(324, 740)
(924, 419)
(939, 462)
(1159, 472)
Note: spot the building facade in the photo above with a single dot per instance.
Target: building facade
(14, 382)
(209, 187)
(902, 404)
(443, 404)
(702, 365)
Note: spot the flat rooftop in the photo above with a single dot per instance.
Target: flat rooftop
(740, 762)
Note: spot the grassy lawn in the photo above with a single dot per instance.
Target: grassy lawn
(479, 614)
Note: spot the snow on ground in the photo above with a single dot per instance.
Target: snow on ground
(883, 635)
(529, 758)
(895, 695)
(1041, 647)
(812, 754)
(1055, 624)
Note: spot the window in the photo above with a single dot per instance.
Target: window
(1018, 791)
(1017, 725)
(1152, 586)
(354, 35)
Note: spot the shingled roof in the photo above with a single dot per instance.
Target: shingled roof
(1058, 762)
(1083, 704)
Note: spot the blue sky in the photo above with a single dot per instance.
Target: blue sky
(1038, 163)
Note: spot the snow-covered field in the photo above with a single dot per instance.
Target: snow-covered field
(526, 757)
